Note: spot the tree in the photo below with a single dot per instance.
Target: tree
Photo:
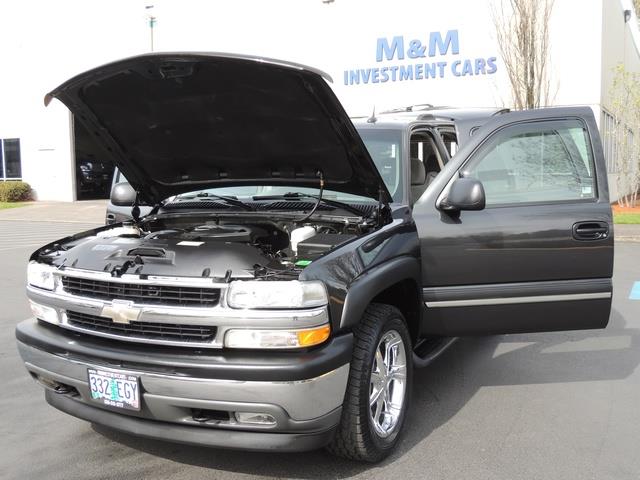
(625, 101)
(522, 30)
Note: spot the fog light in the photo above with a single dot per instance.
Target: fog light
(42, 312)
(255, 418)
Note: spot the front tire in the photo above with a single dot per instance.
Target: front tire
(378, 390)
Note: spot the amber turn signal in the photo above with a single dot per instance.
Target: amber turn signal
(314, 336)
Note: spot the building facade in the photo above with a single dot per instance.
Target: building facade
(381, 55)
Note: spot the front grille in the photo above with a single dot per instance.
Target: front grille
(141, 293)
(144, 330)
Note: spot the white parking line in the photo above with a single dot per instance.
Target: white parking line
(29, 220)
(15, 235)
(18, 247)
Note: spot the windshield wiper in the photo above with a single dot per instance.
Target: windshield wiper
(326, 201)
(229, 200)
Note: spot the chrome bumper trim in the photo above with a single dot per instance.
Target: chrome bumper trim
(474, 302)
(169, 398)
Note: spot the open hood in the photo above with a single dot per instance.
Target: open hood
(178, 122)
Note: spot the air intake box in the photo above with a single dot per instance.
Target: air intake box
(318, 245)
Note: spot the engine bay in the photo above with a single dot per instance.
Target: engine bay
(221, 248)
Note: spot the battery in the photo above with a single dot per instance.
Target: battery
(318, 245)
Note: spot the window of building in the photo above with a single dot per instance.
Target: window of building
(10, 164)
(536, 162)
(617, 142)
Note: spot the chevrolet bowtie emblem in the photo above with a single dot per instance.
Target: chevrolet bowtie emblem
(121, 312)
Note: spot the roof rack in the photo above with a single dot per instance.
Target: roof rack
(431, 116)
(411, 108)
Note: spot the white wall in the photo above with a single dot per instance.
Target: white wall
(42, 44)
(335, 37)
(620, 45)
(47, 42)
(575, 44)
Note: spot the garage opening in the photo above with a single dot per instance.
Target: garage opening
(93, 172)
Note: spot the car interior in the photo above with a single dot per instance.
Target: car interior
(426, 162)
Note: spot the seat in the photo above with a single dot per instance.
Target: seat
(432, 168)
(418, 179)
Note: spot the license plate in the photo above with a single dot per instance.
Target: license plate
(114, 389)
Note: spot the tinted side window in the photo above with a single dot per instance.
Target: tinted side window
(450, 141)
(536, 162)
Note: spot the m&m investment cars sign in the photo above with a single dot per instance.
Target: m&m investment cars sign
(413, 54)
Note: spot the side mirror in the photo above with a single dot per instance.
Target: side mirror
(123, 195)
(464, 194)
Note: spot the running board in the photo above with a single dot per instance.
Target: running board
(427, 350)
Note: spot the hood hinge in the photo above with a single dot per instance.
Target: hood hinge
(383, 207)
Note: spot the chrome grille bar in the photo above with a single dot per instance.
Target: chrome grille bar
(141, 293)
(143, 330)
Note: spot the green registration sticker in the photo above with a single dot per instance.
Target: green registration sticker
(114, 389)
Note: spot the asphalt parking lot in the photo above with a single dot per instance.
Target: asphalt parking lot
(537, 406)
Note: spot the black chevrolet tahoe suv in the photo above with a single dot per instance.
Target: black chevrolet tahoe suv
(294, 265)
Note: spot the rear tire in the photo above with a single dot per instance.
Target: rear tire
(378, 391)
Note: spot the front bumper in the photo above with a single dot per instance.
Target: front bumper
(302, 391)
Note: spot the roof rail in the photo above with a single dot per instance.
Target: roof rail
(500, 112)
(431, 116)
(410, 108)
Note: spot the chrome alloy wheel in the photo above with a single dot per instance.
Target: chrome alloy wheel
(388, 383)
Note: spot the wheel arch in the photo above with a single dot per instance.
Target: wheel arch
(396, 283)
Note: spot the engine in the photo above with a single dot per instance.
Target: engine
(215, 249)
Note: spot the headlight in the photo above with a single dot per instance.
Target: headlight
(40, 275)
(249, 338)
(276, 294)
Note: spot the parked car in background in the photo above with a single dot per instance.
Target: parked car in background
(93, 178)
(295, 265)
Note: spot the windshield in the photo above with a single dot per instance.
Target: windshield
(248, 192)
(384, 146)
(385, 149)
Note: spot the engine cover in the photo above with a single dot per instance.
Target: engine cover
(178, 256)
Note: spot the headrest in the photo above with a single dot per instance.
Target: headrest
(432, 163)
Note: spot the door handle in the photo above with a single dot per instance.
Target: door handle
(590, 230)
